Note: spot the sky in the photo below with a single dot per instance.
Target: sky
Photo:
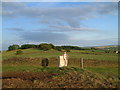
(60, 23)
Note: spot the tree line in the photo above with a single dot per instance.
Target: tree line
(46, 46)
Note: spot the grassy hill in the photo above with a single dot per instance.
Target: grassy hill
(66, 77)
(86, 54)
(110, 47)
(100, 69)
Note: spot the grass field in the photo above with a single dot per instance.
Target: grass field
(102, 64)
(86, 54)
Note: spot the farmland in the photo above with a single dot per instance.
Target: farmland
(100, 69)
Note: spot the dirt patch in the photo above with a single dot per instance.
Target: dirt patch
(16, 83)
(28, 75)
(54, 80)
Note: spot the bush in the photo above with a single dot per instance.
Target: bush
(107, 51)
(19, 52)
(67, 50)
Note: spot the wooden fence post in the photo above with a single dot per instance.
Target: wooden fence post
(74, 62)
(82, 62)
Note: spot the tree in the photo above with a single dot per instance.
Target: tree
(92, 48)
(67, 50)
(52, 46)
(71, 47)
(26, 46)
(45, 46)
(58, 48)
(13, 47)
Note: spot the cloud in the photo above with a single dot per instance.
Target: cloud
(12, 5)
(71, 16)
(15, 29)
(44, 36)
(60, 0)
(106, 9)
(86, 43)
(63, 39)
(69, 28)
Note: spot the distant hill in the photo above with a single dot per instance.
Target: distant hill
(113, 47)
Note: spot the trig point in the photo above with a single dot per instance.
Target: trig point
(63, 60)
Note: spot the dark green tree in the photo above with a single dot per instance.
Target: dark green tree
(26, 46)
(52, 46)
(59, 48)
(45, 46)
(13, 47)
(67, 50)
(92, 48)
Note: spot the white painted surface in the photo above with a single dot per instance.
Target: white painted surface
(65, 56)
(117, 52)
(62, 61)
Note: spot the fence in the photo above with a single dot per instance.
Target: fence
(81, 62)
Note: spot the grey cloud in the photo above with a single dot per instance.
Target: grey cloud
(44, 36)
(72, 28)
(72, 21)
(12, 5)
(105, 9)
(15, 29)
(69, 15)
(85, 43)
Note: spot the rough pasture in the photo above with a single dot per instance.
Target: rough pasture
(100, 69)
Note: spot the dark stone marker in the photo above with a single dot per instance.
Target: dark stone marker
(45, 62)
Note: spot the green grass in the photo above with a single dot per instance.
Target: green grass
(86, 54)
(8, 68)
(31, 53)
(108, 57)
(75, 54)
(58, 69)
(105, 71)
